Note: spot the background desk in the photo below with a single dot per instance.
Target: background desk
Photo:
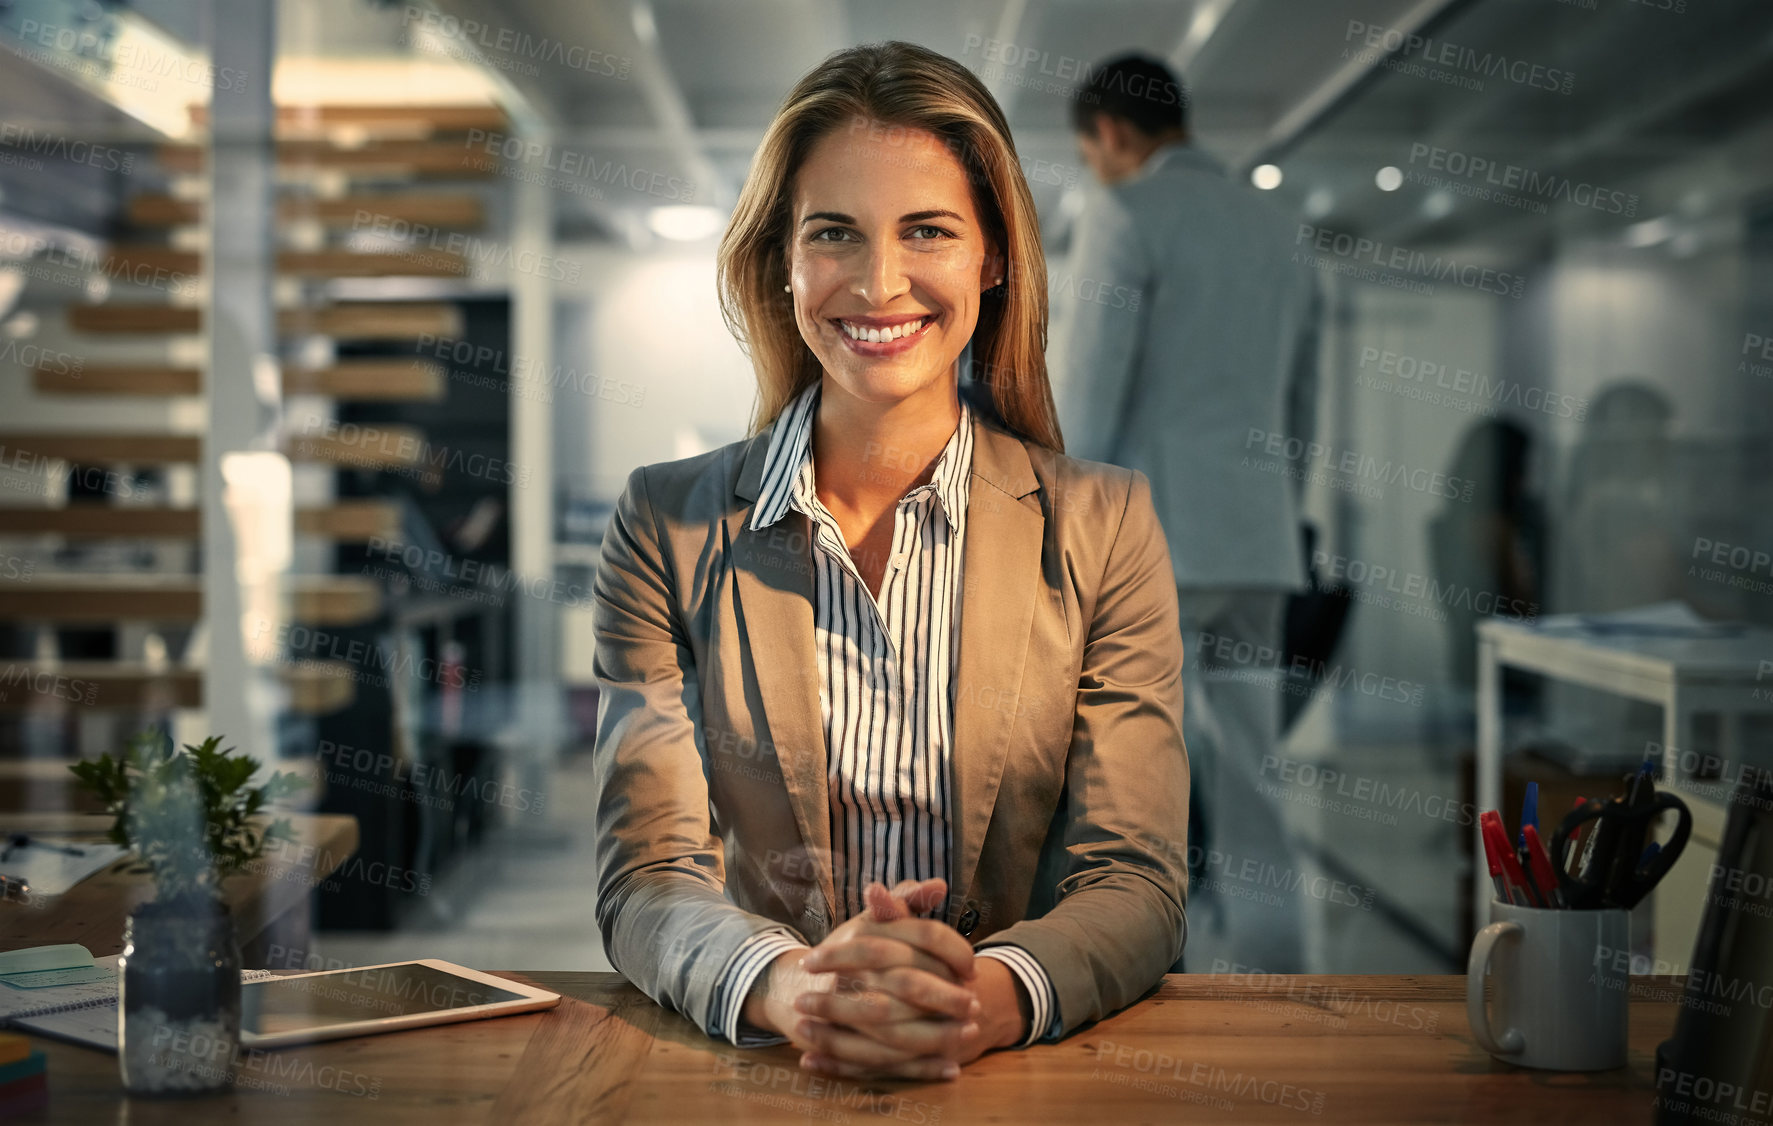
(1686, 676)
(1204, 1048)
(269, 901)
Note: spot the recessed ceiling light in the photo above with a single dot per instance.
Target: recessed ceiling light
(1266, 176)
(1389, 179)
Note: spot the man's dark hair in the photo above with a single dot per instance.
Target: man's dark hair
(1136, 88)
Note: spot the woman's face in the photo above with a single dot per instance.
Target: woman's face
(885, 242)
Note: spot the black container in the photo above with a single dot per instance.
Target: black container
(1718, 1066)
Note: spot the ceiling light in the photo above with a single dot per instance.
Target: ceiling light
(1266, 176)
(1389, 179)
(684, 222)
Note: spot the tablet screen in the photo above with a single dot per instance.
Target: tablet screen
(287, 1004)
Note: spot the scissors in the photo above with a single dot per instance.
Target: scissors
(1612, 869)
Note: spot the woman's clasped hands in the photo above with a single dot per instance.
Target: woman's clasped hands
(889, 994)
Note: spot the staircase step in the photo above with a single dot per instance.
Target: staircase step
(315, 688)
(320, 264)
(403, 158)
(374, 320)
(100, 449)
(346, 320)
(455, 211)
(354, 446)
(377, 120)
(102, 521)
(131, 379)
(351, 521)
(138, 318)
(391, 380)
(360, 446)
(377, 380)
(316, 600)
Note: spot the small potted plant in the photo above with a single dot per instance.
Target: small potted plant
(191, 820)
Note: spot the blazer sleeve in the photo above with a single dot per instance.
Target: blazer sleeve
(1118, 923)
(661, 870)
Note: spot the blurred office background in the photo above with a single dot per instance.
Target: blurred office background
(487, 230)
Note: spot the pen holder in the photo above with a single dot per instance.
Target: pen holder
(1561, 979)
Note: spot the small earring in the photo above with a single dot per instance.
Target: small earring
(788, 289)
(1000, 281)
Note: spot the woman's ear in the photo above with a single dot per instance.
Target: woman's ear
(991, 271)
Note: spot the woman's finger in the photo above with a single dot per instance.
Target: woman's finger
(887, 1043)
(935, 938)
(926, 991)
(927, 896)
(886, 906)
(915, 896)
(863, 1006)
(872, 951)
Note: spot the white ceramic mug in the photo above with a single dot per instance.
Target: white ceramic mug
(1561, 979)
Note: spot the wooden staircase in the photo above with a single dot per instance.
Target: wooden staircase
(361, 189)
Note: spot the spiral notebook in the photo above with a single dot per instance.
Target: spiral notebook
(83, 1014)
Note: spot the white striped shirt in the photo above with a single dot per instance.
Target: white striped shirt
(886, 668)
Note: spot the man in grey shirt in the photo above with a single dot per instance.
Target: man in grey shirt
(1185, 347)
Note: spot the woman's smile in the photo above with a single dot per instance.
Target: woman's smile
(883, 336)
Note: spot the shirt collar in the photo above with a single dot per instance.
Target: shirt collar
(788, 466)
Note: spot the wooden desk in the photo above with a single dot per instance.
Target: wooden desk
(92, 912)
(1203, 1048)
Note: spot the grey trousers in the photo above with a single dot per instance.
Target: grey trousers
(1245, 904)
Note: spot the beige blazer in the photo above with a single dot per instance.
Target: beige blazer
(1069, 776)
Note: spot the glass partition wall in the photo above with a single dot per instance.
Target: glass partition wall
(331, 331)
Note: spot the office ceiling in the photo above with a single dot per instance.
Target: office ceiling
(703, 77)
(704, 83)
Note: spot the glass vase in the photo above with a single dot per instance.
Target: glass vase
(178, 1006)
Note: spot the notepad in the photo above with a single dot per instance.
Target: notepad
(83, 1013)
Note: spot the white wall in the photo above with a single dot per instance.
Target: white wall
(648, 322)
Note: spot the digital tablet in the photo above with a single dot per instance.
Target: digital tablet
(364, 1000)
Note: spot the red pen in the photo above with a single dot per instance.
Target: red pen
(1541, 866)
(1520, 891)
(1495, 868)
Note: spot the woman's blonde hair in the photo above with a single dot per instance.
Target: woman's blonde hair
(900, 85)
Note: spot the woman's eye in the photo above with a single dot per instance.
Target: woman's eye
(938, 232)
(819, 235)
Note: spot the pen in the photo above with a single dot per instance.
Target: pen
(1529, 813)
(1513, 878)
(1495, 863)
(1539, 867)
(22, 840)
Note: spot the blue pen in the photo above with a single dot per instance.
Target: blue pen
(1650, 851)
(1529, 813)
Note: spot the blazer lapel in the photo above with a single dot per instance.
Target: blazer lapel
(775, 584)
(1002, 580)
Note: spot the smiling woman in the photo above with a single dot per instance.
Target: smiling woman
(816, 215)
(889, 745)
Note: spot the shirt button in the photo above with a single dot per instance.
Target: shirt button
(969, 919)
